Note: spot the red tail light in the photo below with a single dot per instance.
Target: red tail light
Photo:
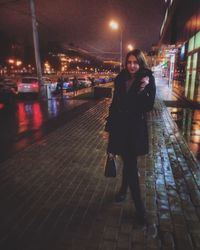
(34, 85)
(1, 105)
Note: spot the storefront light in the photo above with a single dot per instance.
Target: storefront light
(197, 132)
(195, 139)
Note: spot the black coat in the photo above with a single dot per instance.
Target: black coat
(126, 122)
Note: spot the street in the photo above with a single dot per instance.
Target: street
(54, 194)
(30, 119)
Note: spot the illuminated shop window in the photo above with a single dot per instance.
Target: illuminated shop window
(191, 44)
(192, 84)
(187, 83)
(194, 42)
(197, 40)
(193, 76)
(188, 62)
(187, 76)
(198, 74)
(194, 66)
(194, 61)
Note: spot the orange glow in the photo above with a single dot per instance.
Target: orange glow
(195, 127)
(196, 115)
(193, 23)
(197, 132)
(114, 25)
(130, 47)
(18, 63)
(194, 147)
(11, 61)
(195, 139)
(174, 110)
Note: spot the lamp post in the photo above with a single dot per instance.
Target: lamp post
(115, 26)
(36, 42)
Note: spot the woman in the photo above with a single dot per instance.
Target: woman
(134, 95)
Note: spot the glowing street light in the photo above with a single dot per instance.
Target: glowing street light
(18, 63)
(11, 61)
(115, 26)
(130, 47)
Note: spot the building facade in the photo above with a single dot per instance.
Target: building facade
(181, 29)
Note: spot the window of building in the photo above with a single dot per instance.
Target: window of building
(191, 44)
(197, 40)
(193, 76)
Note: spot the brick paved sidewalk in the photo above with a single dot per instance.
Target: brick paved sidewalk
(54, 195)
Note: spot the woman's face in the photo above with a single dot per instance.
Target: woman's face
(132, 64)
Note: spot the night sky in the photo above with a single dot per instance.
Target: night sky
(85, 22)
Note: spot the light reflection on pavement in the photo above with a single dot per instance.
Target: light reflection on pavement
(186, 117)
(188, 122)
(23, 123)
(31, 115)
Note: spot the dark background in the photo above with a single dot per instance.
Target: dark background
(84, 23)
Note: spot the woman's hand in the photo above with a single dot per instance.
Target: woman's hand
(106, 137)
(144, 82)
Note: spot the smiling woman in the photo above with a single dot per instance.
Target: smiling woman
(126, 124)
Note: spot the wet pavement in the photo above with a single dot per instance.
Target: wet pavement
(30, 119)
(186, 116)
(54, 194)
(188, 123)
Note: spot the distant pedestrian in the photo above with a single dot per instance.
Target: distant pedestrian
(75, 85)
(92, 80)
(126, 124)
(60, 82)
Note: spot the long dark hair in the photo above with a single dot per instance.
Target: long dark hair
(139, 55)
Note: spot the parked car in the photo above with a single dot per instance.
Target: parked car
(100, 80)
(29, 85)
(68, 84)
(8, 91)
(84, 82)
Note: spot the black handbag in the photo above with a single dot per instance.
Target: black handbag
(110, 167)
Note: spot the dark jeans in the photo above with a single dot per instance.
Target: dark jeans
(130, 179)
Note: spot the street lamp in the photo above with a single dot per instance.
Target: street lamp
(115, 26)
(130, 47)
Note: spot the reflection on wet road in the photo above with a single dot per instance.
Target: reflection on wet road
(188, 122)
(186, 117)
(22, 124)
(30, 116)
